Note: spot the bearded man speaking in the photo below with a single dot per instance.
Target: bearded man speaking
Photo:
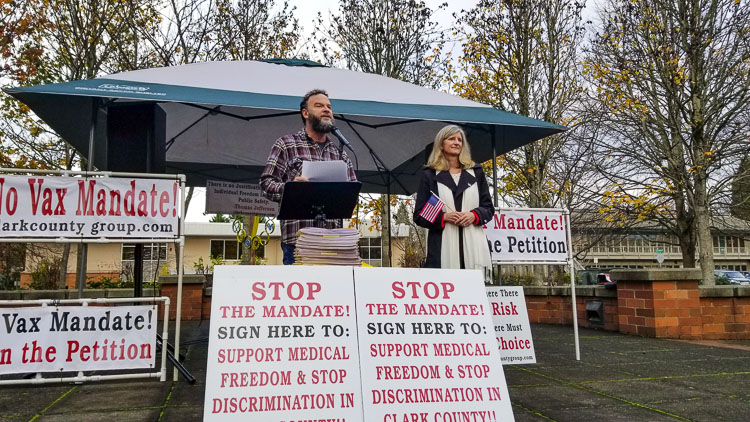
(287, 154)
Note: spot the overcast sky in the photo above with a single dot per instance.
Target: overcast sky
(307, 10)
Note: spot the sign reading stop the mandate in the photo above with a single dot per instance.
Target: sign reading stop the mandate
(427, 347)
(282, 345)
(288, 344)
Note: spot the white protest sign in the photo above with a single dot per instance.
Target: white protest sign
(521, 235)
(75, 207)
(283, 345)
(512, 328)
(238, 198)
(76, 338)
(427, 349)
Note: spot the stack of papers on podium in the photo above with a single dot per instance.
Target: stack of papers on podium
(317, 246)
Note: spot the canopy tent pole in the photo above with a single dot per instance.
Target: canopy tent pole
(388, 214)
(494, 192)
(388, 176)
(494, 164)
(84, 247)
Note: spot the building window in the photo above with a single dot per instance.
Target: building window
(151, 252)
(370, 251)
(154, 259)
(231, 250)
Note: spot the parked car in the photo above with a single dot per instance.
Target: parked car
(603, 278)
(734, 277)
(595, 276)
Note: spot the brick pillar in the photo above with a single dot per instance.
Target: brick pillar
(663, 303)
(192, 295)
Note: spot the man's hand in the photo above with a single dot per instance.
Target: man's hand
(301, 179)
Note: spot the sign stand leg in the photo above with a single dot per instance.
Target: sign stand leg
(571, 262)
(575, 308)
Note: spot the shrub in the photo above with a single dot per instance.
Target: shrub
(516, 279)
(45, 275)
(721, 280)
(7, 283)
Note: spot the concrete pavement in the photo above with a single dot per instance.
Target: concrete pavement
(619, 377)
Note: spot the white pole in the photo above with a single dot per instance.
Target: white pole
(572, 284)
(164, 341)
(180, 269)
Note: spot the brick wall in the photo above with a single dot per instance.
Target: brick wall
(725, 313)
(207, 302)
(658, 308)
(652, 303)
(192, 296)
(551, 305)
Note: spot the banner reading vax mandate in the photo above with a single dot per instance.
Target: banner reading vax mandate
(527, 235)
(76, 338)
(75, 207)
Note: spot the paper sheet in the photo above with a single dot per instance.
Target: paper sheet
(325, 171)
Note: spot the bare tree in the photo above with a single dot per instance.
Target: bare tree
(183, 34)
(520, 56)
(740, 206)
(248, 30)
(394, 38)
(672, 79)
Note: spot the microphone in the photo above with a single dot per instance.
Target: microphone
(337, 133)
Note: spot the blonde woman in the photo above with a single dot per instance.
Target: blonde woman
(455, 238)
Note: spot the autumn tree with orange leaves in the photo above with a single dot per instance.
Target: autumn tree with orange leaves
(47, 41)
(520, 56)
(672, 90)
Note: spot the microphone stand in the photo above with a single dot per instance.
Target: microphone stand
(379, 162)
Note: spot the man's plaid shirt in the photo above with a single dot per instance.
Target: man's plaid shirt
(285, 163)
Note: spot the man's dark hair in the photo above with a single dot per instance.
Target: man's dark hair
(303, 103)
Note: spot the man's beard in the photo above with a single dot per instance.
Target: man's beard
(320, 126)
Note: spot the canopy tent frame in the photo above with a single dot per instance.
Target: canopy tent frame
(386, 116)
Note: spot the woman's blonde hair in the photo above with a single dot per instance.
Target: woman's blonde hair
(437, 160)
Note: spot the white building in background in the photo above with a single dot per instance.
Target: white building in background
(114, 261)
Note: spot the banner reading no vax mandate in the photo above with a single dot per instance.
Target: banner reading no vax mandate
(75, 207)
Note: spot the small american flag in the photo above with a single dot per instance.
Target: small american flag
(432, 208)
